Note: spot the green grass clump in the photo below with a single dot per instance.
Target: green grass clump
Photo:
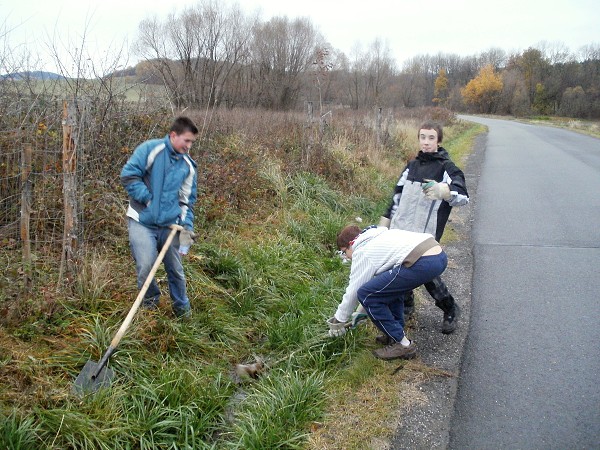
(178, 405)
(18, 432)
(278, 410)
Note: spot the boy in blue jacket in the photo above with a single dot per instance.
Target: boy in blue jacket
(160, 178)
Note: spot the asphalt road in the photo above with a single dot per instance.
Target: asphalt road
(530, 369)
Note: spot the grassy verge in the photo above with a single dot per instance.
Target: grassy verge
(589, 127)
(263, 278)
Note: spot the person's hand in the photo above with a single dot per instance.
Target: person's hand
(384, 222)
(436, 191)
(186, 239)
(336, 328)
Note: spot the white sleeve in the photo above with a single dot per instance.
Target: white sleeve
(360, 272)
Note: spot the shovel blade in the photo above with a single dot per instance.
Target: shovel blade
(86, 384)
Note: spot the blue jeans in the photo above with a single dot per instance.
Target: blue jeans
(146, 242)
(383, 296)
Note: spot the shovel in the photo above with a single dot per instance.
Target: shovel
(94, 375)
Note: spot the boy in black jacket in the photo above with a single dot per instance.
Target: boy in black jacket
(429, 186)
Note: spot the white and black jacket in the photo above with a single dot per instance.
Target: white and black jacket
(411, 210)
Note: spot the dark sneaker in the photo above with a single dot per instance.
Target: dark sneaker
(383, 339)
(183, 314)
(450, 320)
(396, 351)
(149, 303)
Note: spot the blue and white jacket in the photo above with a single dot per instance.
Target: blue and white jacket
(161, 184)
(411, 210)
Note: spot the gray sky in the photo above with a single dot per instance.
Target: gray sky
(408, 27)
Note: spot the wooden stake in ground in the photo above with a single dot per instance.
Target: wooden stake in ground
(26, 214)
(69, 252)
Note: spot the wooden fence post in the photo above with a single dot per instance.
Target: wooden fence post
(26, 214)
(70, 244)
(309, 129)
(379, 123)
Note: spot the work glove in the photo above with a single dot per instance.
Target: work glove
(357, 318)
(436, 191)
(336, 328)
(384, 222)
(186, 239)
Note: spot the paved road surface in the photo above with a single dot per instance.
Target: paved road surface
(530, 373)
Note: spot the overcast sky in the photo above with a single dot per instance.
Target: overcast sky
(408, 27)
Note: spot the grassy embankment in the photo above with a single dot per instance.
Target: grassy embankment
(263, 278)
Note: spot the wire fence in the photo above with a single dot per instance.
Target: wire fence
(40, 185)
(59, 186)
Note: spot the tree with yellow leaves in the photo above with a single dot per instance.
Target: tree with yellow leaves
(441, 88)
(483, 91)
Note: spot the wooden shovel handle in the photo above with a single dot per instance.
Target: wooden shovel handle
(140, 297)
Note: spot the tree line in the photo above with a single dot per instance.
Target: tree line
(215, 54)
(212, 54)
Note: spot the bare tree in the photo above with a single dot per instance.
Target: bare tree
(282, 51)
(355, 84)
(197, 51)
(590, 52)
(380, 69)
(495, 57)
(555, 52)
(513, 98)
(321, 69)
(412, 82)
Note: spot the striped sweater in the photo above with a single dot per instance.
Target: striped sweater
(374, 251)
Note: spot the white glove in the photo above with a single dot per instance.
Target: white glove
(336, 328)
(436, 191)
(357, 318)
(384, 222)
(186, 239)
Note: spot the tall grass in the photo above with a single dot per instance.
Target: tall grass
(263, 278)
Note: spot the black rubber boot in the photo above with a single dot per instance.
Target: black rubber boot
(450, 319)
(409, 305)
(444, 300)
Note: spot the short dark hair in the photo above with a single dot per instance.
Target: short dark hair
(428, 125)
(347, 235)
(183, 124)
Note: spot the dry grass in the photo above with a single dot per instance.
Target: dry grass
(589, 127)
(365, 416)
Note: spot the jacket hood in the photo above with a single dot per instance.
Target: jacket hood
(441, 154)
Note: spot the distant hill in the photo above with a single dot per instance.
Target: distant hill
(36, 75)
(128, 72)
